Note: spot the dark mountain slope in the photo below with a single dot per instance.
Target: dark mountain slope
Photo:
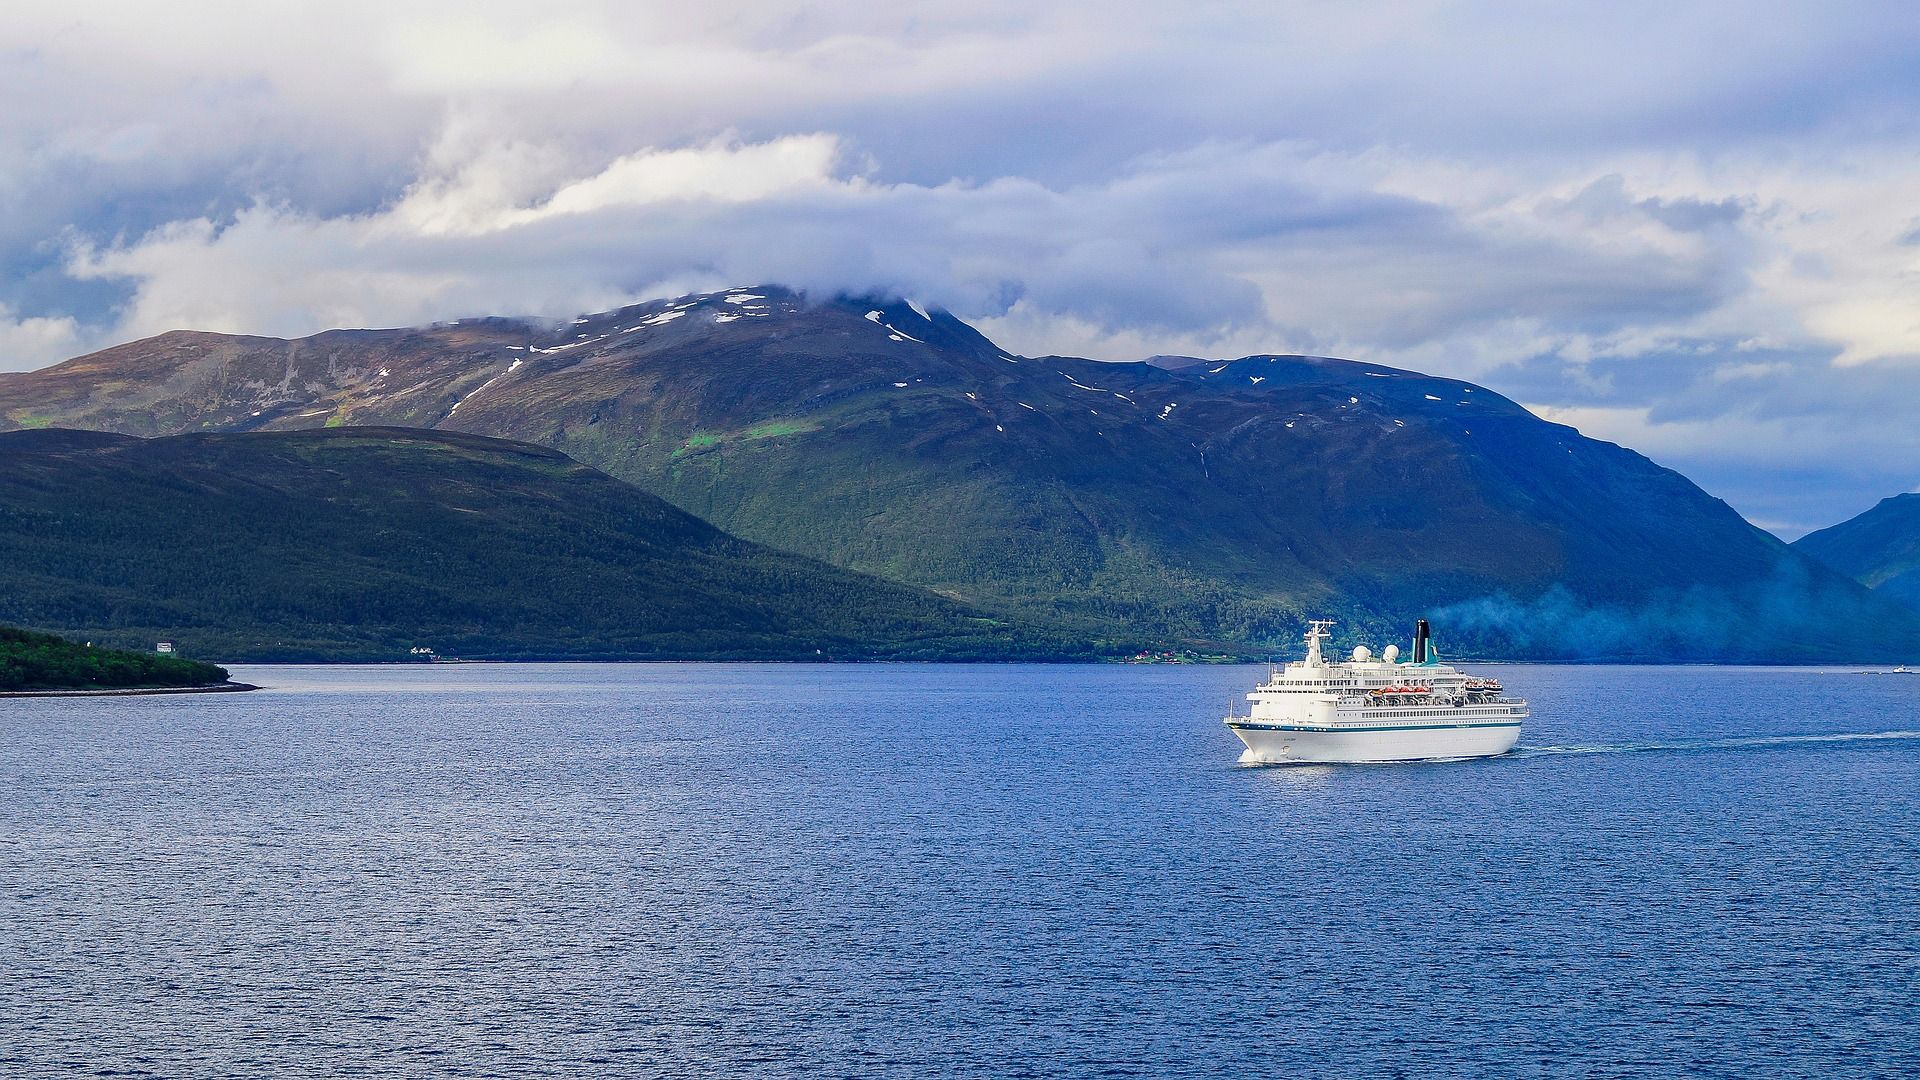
(365, 542)
(1217, 502)
(1880, 548)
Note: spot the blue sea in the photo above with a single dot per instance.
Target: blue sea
(905, 870)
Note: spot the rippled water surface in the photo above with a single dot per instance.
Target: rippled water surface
(576, 871)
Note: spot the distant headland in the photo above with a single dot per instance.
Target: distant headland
(37, 665)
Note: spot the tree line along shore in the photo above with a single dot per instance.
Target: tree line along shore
(35, 662)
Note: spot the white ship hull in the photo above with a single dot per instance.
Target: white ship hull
(1282, 744)
(1368, 709)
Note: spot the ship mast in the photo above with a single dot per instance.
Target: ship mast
(1316, 633)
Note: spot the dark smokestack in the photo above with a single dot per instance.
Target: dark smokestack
(1420, 634)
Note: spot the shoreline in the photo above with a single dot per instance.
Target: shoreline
(134, 691)
(1061, 662)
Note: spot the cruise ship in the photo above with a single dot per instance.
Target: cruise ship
(1373, 708)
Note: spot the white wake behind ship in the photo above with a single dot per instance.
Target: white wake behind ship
(1375, 709)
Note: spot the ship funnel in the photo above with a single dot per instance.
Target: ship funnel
(1421, 632)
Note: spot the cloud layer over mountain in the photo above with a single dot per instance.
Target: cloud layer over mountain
(1689, 228)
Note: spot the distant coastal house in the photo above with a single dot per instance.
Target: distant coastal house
(164, 648)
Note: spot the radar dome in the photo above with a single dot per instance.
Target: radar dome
(1390, 653)
(1362, 654)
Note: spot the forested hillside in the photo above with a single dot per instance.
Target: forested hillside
(360, 543)
(32, 661)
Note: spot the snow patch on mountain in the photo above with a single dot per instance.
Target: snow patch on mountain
(661, 319)
(568, 345)
(877, 318)
(470, 397)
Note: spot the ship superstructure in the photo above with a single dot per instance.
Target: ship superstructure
(1375, 708)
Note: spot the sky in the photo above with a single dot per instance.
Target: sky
(1689, 228)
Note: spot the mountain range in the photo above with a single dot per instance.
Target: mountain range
(1210, 504)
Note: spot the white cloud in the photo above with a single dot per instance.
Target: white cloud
(1217, 249)
(35, 341)
(476, 240)
(486, 194)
